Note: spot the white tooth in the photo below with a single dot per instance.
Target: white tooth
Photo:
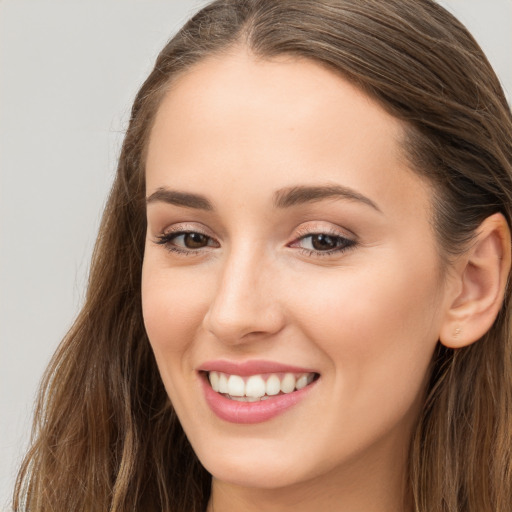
(302, 382)
(236, 385)
(311, 377)
(245, 399)
(255, 386)
(223, 383)
(273, 385)
(214, 380)
(288, 383)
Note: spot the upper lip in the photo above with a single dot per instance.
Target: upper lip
(253, 367)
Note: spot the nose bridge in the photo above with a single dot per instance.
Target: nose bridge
(243, 303)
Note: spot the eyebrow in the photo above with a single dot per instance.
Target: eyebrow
(293, 196)
(284, 198)
(186, 199)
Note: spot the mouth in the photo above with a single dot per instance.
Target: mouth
(258, 387)
(254, 391)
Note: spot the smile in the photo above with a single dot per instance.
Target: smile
(260, 387)
(254, 391)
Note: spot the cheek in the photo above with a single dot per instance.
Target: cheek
(378, 329)
(173, 310)
(381, 303)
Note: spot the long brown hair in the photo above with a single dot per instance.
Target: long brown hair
(105, 435)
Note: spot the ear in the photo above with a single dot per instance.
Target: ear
(480, 280)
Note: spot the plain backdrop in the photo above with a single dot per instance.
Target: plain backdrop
(68, 73)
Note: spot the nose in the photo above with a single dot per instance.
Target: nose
(245, 305)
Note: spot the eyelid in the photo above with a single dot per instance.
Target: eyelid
(167, 235)
(186, 227)
(304, 232)
(316, 228)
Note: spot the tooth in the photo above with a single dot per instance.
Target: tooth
(288, 383)
(273, 385)
(223, 383)
(311, 376)
(255, 386)
(236, 386)
(302, 382)
(244, 399)
(214, 380)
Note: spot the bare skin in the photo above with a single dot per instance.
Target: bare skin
(237, 268)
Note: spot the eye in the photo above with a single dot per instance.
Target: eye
(186, 242)
(191, 240)
(322, 244)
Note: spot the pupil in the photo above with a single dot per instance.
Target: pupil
(195, 240)
(323, 242)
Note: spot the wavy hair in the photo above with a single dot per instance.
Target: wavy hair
(106, 437)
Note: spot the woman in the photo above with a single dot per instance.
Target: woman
(298, 298)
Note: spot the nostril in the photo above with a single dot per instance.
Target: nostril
(242, 325)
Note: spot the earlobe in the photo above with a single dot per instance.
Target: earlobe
(481, 277)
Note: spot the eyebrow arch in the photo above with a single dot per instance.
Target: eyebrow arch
(186, 199)
(293, 196)
(284, 198)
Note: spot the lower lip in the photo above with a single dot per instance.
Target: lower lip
(251, 412)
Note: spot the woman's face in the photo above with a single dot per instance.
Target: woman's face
(288, 245)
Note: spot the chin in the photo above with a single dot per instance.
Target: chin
(244, 461)
(256, 463)
(260, 475)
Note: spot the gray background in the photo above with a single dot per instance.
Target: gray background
(68, 73)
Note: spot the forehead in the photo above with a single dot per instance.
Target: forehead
(239, 119)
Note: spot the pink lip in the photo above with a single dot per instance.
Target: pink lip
(251, 412)
(253, 367)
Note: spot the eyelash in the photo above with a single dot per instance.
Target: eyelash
(342, 243)
(166, 240)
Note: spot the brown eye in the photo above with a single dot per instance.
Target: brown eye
(323, 242)
(195, 240)
(186, 242)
